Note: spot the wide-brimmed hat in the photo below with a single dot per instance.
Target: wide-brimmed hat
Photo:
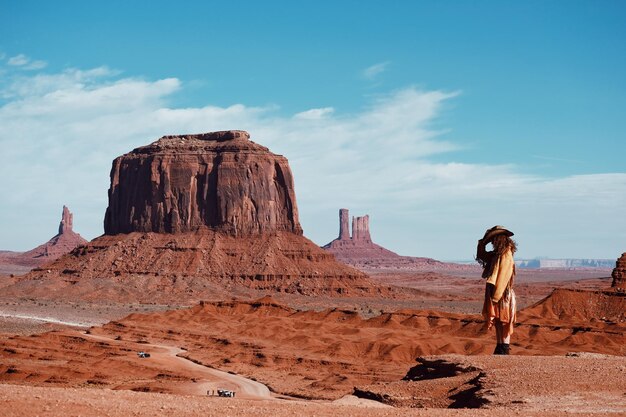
(496, 230)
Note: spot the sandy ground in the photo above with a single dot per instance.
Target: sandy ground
(96, 402)
(206, 379)
(266, 354)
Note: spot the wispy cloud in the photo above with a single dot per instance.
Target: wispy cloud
(314, 114)
(372, 72)
(60, 132)
(24, 62)
(18, 60)
(557, 159)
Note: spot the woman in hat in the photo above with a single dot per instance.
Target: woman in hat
(499, 270)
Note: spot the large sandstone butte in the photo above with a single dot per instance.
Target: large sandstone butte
(60, 244)
(219, 180)
(360, 251)
(197, 216)
(619, 273)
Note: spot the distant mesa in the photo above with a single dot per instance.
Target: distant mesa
(619, 273)
(191, 217)
(544, 263)
(358, 249)
(63, 242)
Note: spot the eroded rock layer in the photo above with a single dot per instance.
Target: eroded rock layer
(187, 267)
(219, 180)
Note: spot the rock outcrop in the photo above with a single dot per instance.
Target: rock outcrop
(619, 273)
(219, 180)
(63, 242)
(193, 217)
(360, 251)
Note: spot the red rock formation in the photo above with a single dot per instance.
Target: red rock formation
(195, 216)
(344, 218)
(361, 229)
(219, 180)
(619, 273)
(359, 250)
(67, 222)
(64, 242)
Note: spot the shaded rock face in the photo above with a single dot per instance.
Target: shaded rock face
(619, 273)
(219, 180)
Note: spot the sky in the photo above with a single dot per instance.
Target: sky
(438, 119)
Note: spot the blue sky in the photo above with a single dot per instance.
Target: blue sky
(439, 119)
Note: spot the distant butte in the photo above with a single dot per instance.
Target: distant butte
(63, 242)
(358, 250)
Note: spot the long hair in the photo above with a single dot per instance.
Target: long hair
(501, 243)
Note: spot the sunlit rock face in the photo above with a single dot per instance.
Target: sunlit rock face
(219, 180)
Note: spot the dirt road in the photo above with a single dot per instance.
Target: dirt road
(208, 379)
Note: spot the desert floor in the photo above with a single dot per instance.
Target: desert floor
(322, 356)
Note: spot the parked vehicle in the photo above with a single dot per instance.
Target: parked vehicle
(143, 354)
(225, 393)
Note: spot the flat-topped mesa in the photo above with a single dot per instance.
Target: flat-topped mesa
(217, 180)
(619, 273)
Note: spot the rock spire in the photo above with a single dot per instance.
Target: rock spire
(67, 221)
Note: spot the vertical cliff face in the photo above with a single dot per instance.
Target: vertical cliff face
(361, 229)
(344, 219)
(219, 180)
(619, 273)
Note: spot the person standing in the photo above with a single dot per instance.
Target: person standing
(499, 270)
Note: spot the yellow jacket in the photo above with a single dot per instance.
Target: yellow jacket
(501, 274)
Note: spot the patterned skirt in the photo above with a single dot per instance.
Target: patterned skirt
(503, 311)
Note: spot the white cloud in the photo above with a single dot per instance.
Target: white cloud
(314, 114)
(371, 72)
(24, 62)
(60, 132)
(18, 60)
(35, 65)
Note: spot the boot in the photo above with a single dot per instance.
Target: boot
(506, 349)
(498, 350)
